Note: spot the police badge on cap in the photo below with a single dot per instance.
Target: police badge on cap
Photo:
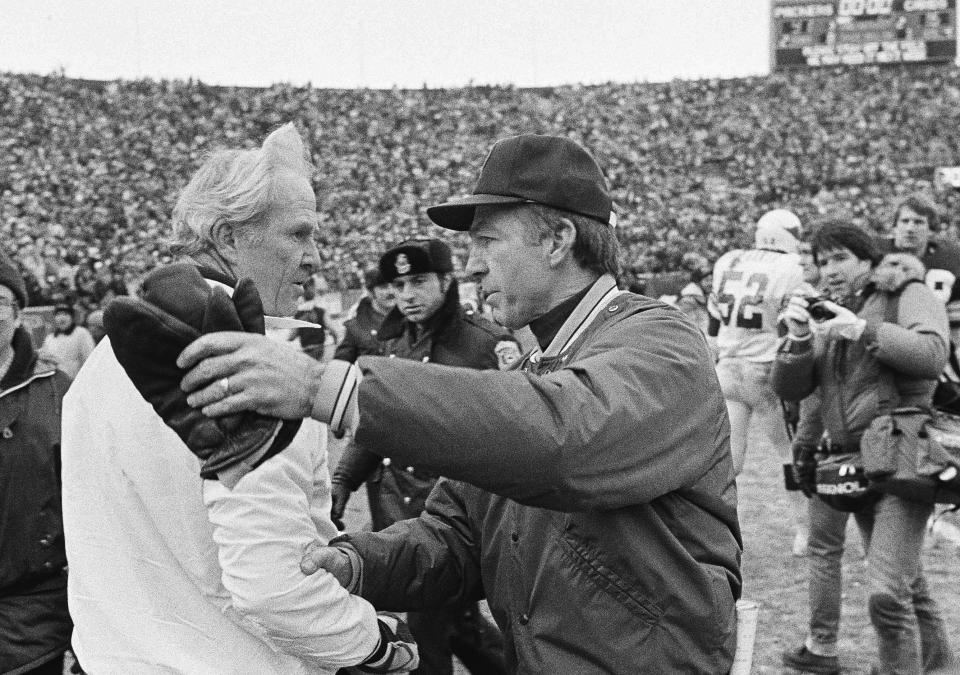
(416, 256)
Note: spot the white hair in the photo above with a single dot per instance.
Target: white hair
(236, 186)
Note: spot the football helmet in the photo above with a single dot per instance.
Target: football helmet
(778, 230)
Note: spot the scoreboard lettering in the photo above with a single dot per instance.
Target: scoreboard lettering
(835, 32)
(798, 11)
(864, 7)
(925, 5)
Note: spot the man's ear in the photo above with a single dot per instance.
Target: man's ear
(224, 238)
(445, 280)
(561, 241)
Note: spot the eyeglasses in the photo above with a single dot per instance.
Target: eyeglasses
(8, 310)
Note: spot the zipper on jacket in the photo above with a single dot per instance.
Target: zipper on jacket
(35, 376)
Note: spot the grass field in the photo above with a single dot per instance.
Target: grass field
(777, 581)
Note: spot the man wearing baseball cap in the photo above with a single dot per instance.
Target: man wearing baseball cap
(591, 495)
(427, 325)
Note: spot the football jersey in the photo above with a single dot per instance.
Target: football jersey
(749, 290)
(942, 260)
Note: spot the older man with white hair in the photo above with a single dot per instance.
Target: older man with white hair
(173, 573)
(589, 492)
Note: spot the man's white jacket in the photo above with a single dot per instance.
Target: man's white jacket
(169, 573)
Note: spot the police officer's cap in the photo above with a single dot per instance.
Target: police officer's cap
(416, 256)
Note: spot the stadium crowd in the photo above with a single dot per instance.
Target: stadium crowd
(88, 178)
(88, 169)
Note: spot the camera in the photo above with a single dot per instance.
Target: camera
(816, 309)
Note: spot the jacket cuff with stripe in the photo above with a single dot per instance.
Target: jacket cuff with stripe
(336, 402)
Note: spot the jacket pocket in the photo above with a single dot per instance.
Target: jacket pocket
(588, 561)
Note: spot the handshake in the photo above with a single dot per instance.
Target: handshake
(396, 652)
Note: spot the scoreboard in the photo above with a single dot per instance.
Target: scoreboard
(835, 32)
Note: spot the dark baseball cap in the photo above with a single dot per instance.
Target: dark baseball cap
(531, 169)
(416, 256)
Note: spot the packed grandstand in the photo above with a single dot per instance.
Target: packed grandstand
(89, 170)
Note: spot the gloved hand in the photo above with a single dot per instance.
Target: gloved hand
(845, 324)
(340, 495)
(805, 469)
(796, 317)
(148, 334)
(396, 652)
(339, 559)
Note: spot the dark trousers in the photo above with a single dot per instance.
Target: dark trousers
(464, 632)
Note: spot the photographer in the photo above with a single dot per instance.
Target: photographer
(845, 354)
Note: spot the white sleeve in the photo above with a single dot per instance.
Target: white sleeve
(261, 527)
(321, 499)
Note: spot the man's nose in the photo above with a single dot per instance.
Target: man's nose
(312, 258)
(475, 268)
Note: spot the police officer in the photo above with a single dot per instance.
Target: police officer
(429, 325)
(360, 331)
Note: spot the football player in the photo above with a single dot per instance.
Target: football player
(749, 287)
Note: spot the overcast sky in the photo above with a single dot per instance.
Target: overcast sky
(382, 43)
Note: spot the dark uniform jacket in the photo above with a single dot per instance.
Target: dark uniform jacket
(34, 624)
(360, 334)
(454, 336)
(599, 517)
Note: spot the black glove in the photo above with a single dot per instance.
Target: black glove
(396, 652)
(339, 495)
(148, 335)
(805, 469)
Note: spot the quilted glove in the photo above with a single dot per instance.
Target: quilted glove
(148, 334)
